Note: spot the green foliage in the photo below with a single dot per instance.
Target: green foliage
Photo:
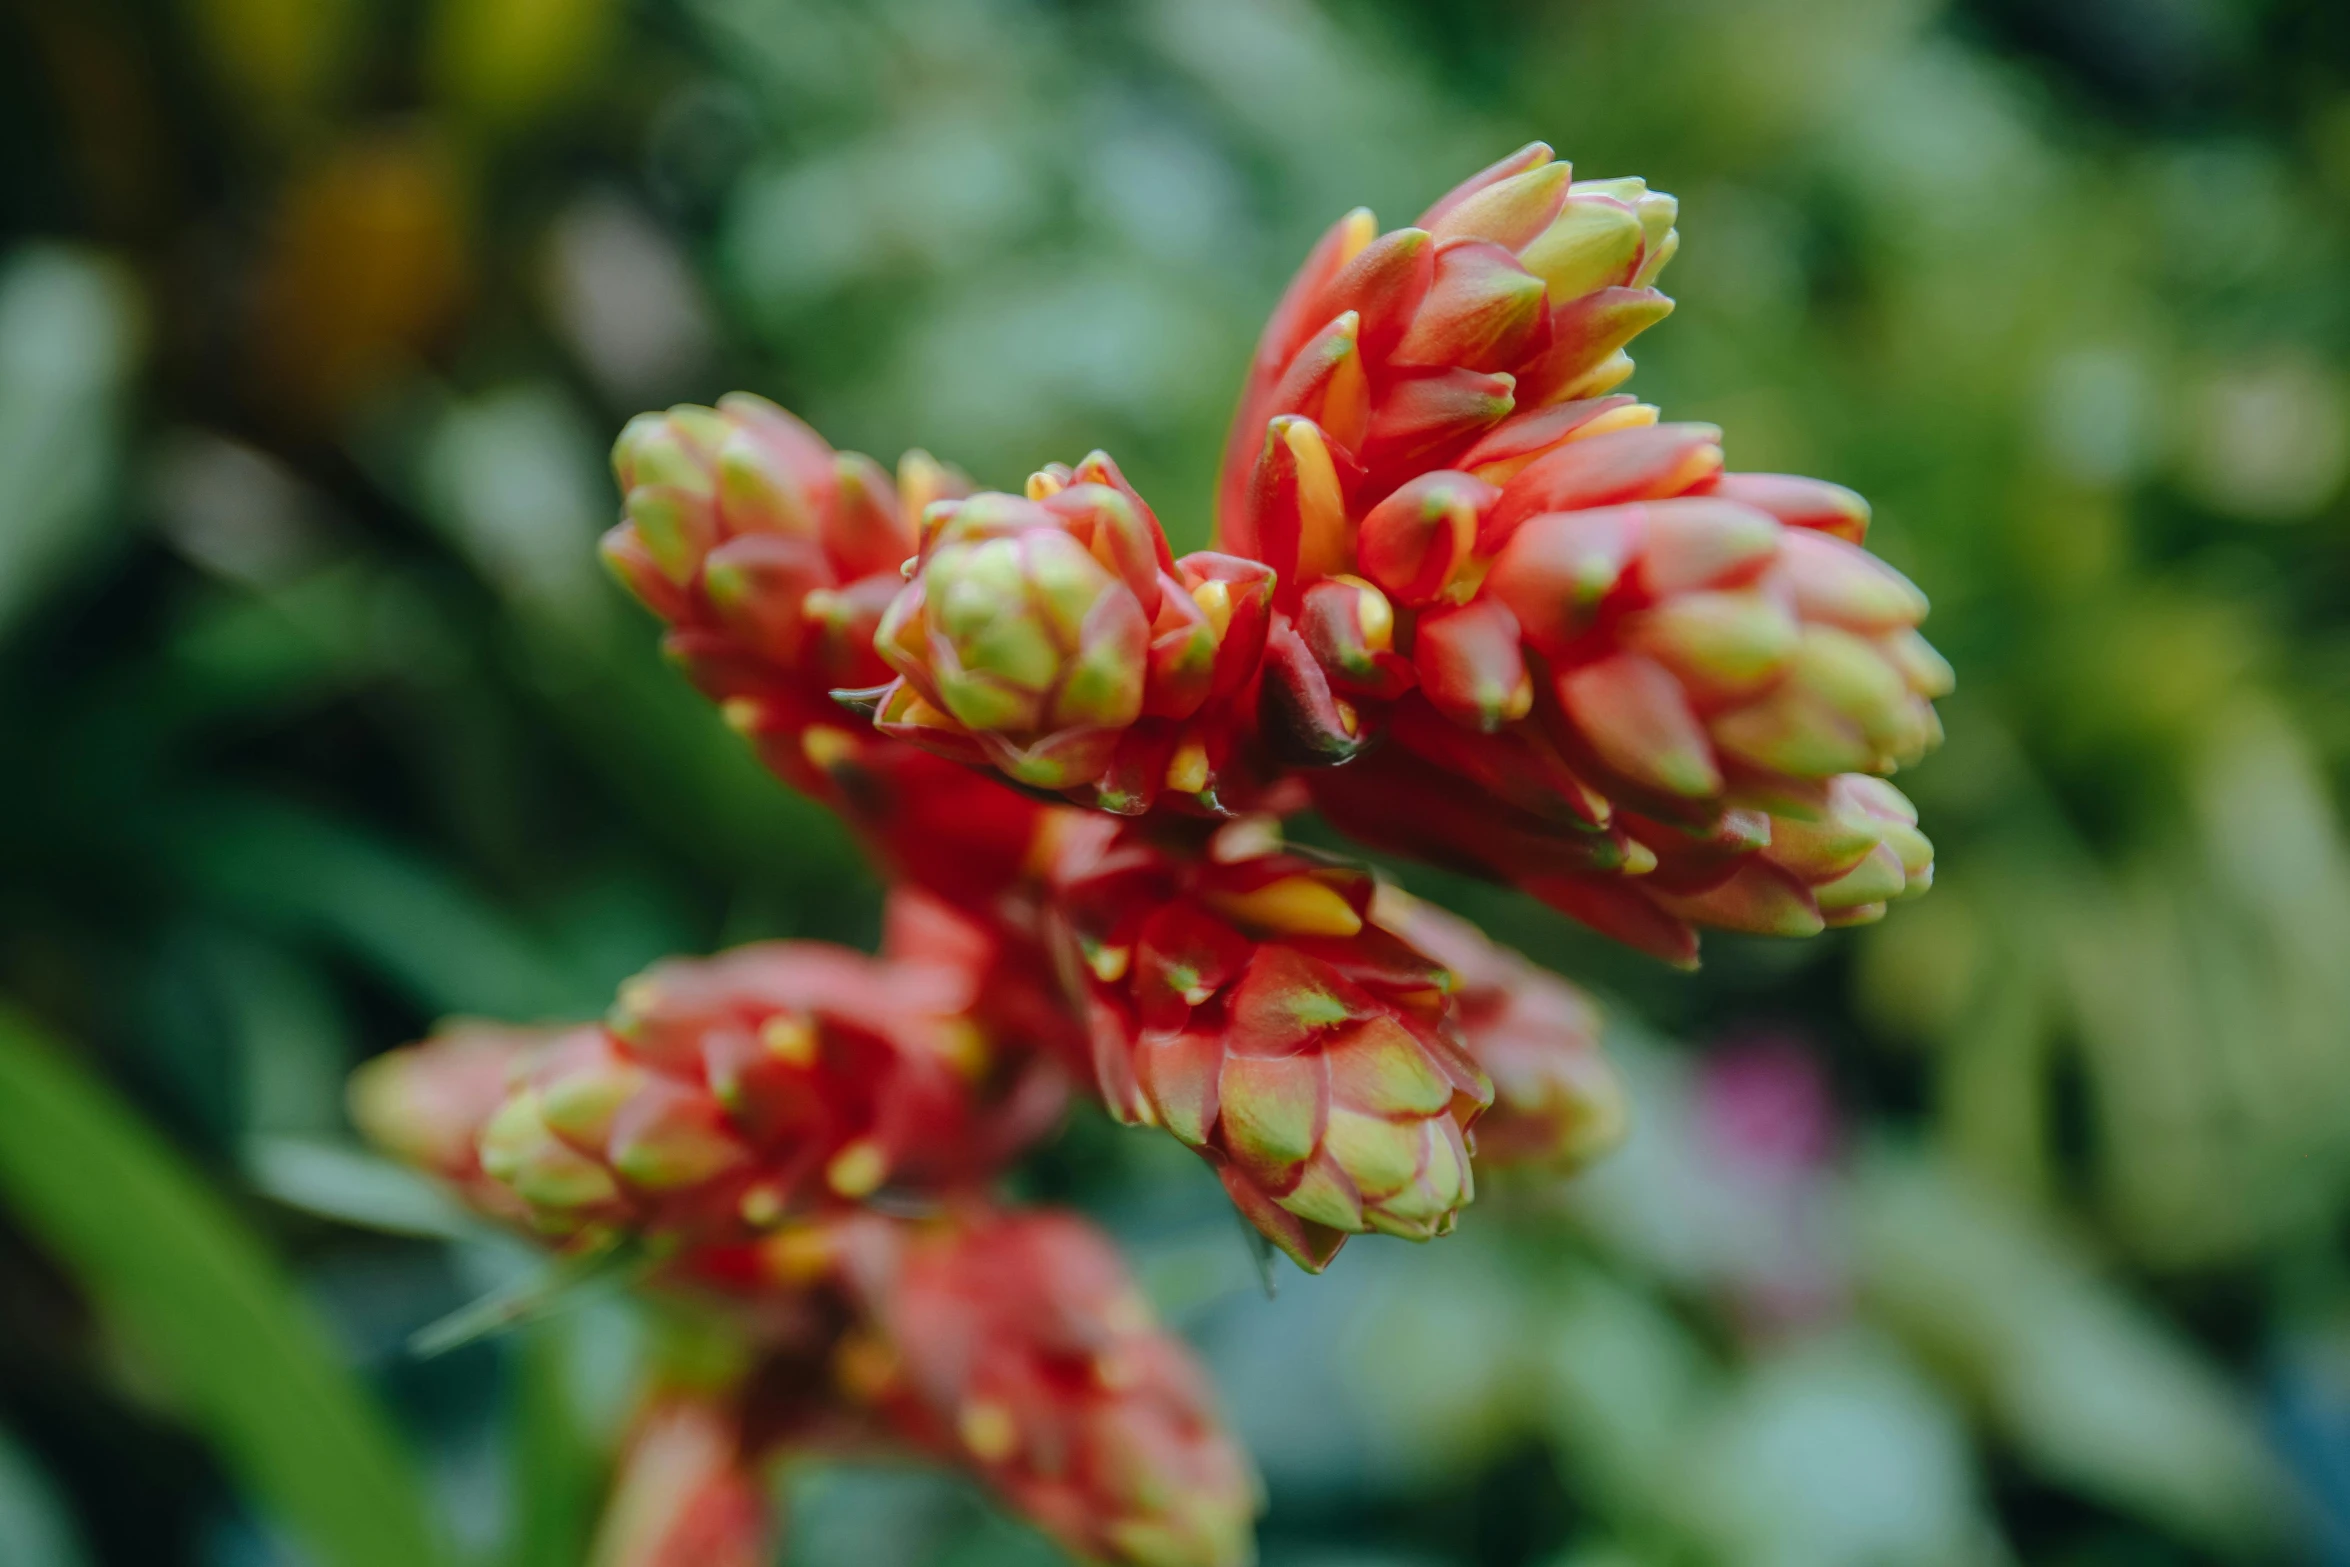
(34, 1529)
(197, 1295)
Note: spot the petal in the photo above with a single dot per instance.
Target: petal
(1843, 583)
(1483, 311)
(1413, 542)
(1286, 1000)
(1700, 542)
(1270, 1110)
(1324, 1195)
(1180, 1073)
(1641, 464)
(1381, 1155)
(1586, 334)
(1471, 666)
(1533, 155)
(1633, 714)
(1509, 212)
(1594, 243)
(1381, 1068)
(1799, 502)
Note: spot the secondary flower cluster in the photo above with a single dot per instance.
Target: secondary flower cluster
(1010, 1342)
(1466, 602)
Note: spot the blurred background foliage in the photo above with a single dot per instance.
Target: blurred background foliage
(2008, 1231)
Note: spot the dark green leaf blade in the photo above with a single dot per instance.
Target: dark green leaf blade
(197, 1292)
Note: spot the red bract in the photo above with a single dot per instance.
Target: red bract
(1243, 997)
(1669, 699)
(993, 980)
(685, 1495)
(1637, 670)
(1015, 1344)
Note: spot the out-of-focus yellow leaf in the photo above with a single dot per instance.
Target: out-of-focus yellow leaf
(367, 268)
(277, 60)
(506, 61)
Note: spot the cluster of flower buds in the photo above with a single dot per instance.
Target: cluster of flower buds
(1556, 643)
(1015, 1343)
(1243, 996)
(772, 558)
(722, 1095)
(1700, 691)
(1053, 636)
(1391, 354)
(1012, 1343)
(741, 522)
(1466, 600)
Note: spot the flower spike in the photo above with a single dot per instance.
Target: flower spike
(1468, 600)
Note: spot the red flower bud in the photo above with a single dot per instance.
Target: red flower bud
(1017, 1346)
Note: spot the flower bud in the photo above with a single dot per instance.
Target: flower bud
(1556, 1101)
(1053, 638)
(1349, 627)
(1247, 1004)
(1470, 665)
(721, 1095)
(426, 1104)
(1415, 543)
(739, 520)
(685, 1493)
(1799, 502)
(1019, 1348)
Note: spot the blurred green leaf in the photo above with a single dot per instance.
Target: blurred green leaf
(901, 1515)
(35, 1529)
(1626, 1383)
(68, 336)
(337, 1181)
(518, 480)
(1836, 1453)
(560, 1284)
(558, 1467)
(2094, 1389)
(417, 925)
(1602, 1555)
(196, 1291)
